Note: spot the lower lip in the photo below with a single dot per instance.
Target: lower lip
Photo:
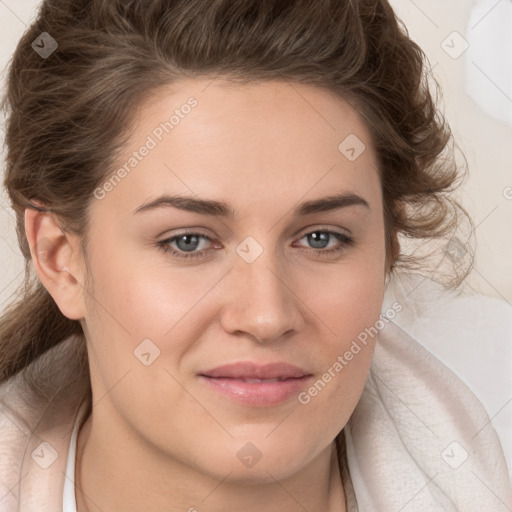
(257, 394)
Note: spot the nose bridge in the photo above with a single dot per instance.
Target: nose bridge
(262, 304)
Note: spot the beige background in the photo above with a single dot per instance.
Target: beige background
(485, 141)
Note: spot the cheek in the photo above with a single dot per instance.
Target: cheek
(346, 321)
(145, 313)
(348, 296)
(348, 309)
(139, 298)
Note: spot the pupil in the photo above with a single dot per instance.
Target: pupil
(318, 237)
(188, 242)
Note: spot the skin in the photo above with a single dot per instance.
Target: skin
(158, 438)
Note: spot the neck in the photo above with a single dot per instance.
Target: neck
(111, 477)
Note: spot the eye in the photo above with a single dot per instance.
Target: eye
(319, 239)
(188, 243)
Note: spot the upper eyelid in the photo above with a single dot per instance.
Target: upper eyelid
(306, 231)
(301, 234)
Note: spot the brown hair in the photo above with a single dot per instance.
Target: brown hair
(68, 114)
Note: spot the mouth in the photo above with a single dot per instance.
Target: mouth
(256, 385)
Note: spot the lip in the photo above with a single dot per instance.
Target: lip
(239, 382)
(250, 370)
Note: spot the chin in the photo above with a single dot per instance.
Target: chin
(263, 459)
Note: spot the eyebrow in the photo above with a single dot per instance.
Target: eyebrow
(222, 209)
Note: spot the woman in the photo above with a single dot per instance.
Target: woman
(212, 196)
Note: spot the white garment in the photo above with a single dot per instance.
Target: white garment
(419, 439)
(469, 333)
(69, 496)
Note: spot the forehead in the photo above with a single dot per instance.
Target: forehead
(295, 112)
(228, 141)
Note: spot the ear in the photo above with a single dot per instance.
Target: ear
(57, 261)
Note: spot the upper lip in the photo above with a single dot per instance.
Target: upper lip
(250, 370)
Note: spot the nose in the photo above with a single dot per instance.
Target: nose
(261, 302)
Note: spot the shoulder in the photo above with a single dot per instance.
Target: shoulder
(35, 434)
(14, 432)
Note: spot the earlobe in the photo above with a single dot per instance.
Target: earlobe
(55, 257)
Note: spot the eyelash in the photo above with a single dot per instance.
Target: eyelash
(345, 240)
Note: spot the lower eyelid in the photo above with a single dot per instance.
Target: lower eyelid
(343, 239)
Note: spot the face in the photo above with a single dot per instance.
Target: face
(267, 279)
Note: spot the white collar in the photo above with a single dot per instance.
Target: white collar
(69, 496)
